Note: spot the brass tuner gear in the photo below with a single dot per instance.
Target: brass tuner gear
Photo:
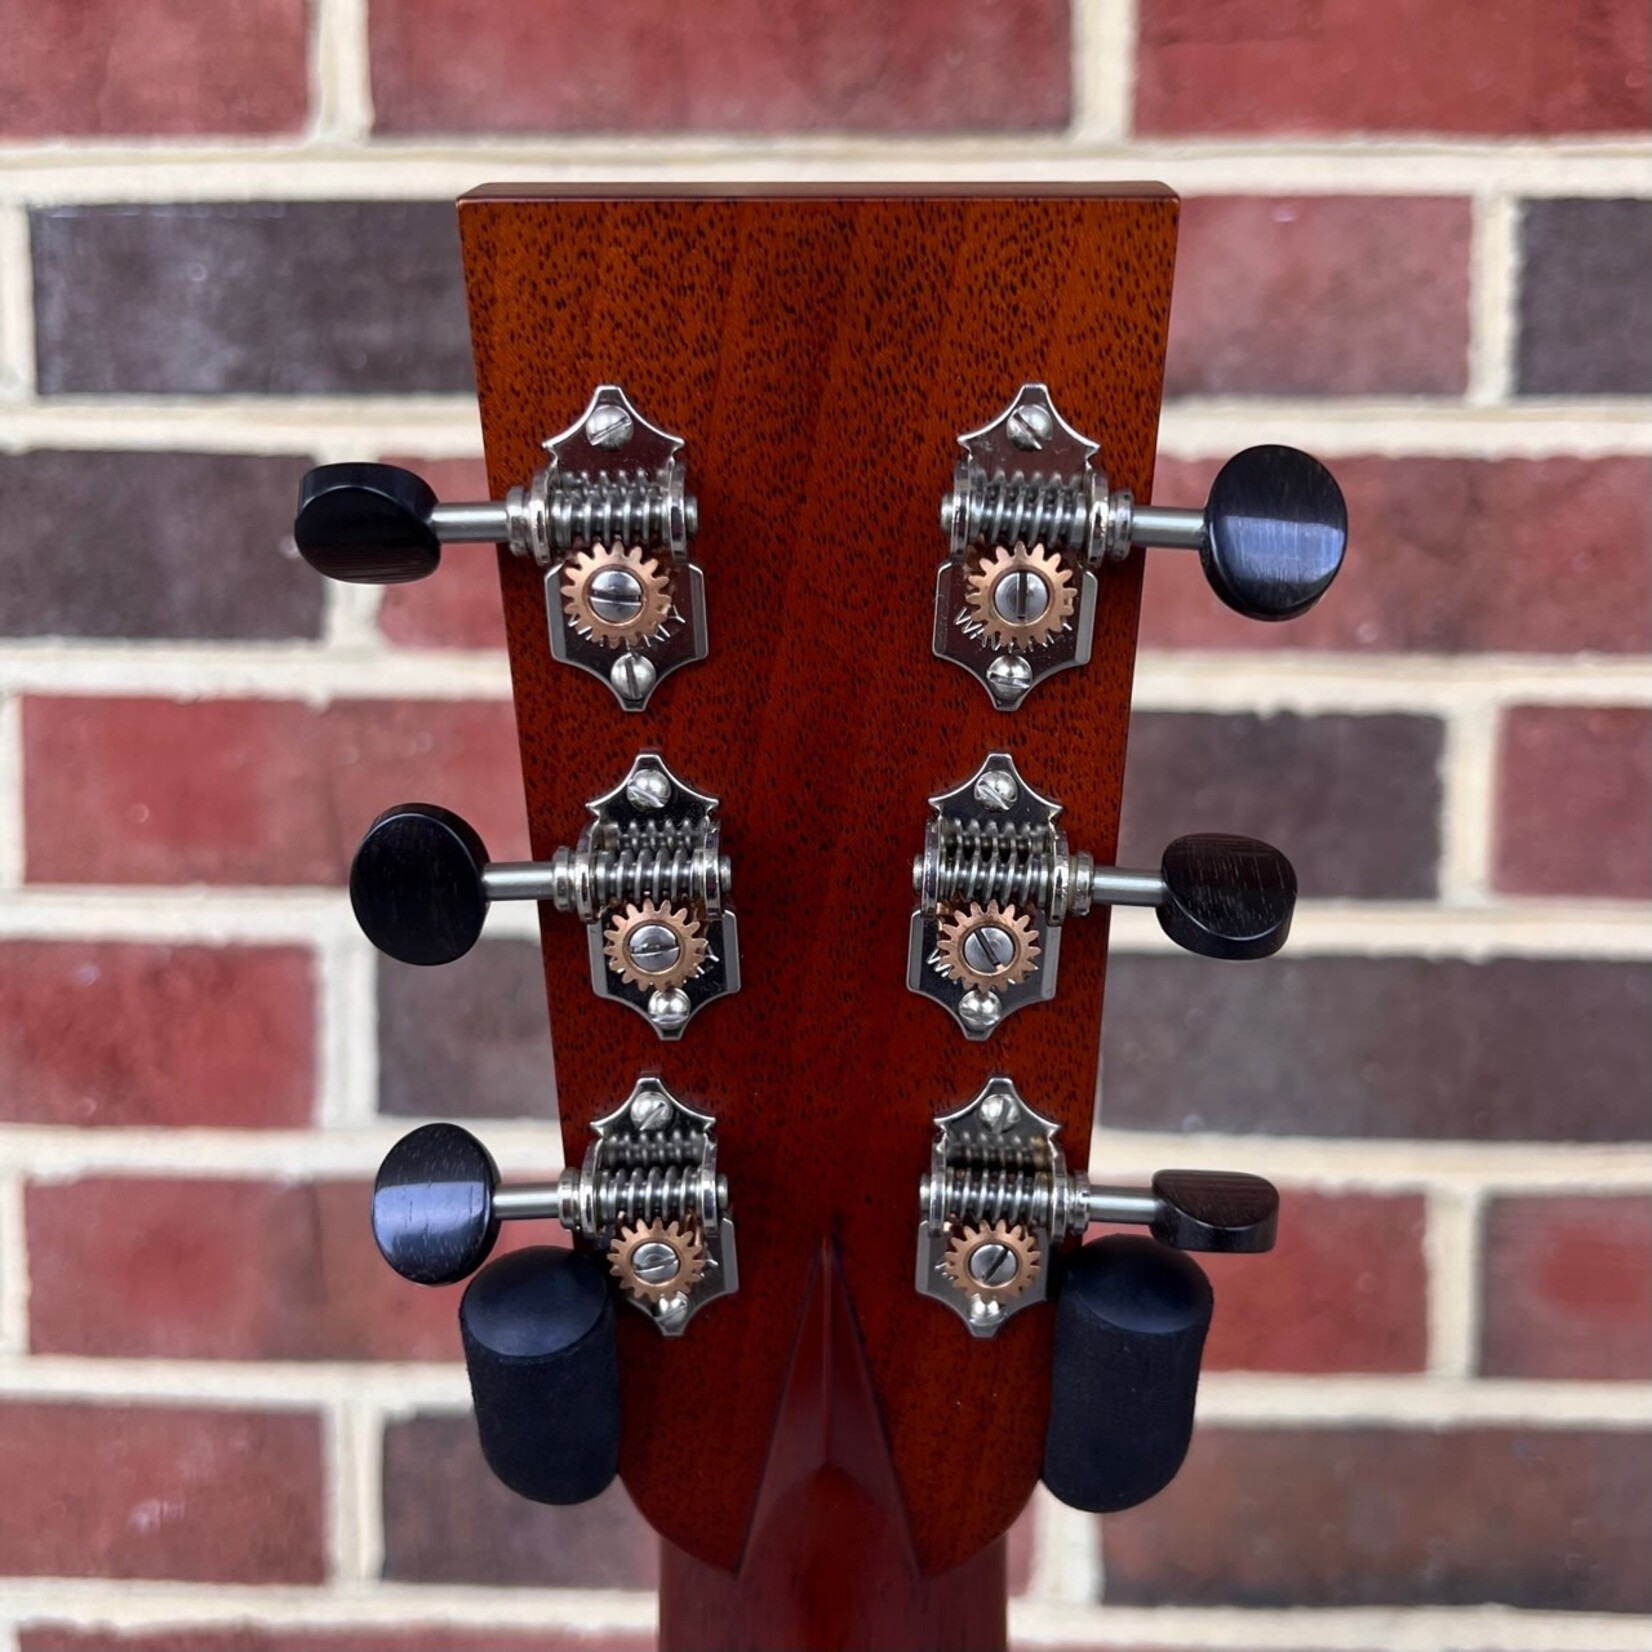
(988, 947)
(992, 1263)
(656, 1261)
(1020, 598)
(617, 597)
(654, 946)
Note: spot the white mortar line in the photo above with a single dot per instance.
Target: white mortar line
(1166, 680)
(1104, 72)
(1557, 928)
(1324, 1163)
(8, 1638)
(1493, 274)
(353, 1462)
(14, 1267)
(347, 1030)
(11, 793)
(341, 82)
(16, 305)
(1238, 1399)
(1451, 1252)
(132, 1605)
(435, 427)
(425, 169)
(1468, 779)
(1066, 1552)
(1327, 1629)
(122, 1603)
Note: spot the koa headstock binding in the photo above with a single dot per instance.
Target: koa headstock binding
(736, 667)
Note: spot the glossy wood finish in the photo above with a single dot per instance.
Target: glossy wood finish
(820, 354)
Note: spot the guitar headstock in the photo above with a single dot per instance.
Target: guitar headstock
(822, 521)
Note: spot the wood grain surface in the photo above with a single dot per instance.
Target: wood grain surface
(820, 353)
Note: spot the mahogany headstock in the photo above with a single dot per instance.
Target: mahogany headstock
(819, 354)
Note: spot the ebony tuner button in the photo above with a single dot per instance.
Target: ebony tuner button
(433, 1215)
(437, 1204)
(367, 524)
(1271, 537)
(418, 884)
(1226, 897)
(1214, 1210)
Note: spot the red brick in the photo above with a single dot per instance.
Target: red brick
(1567, 1288)
(414, 1638)
(1346, 1289)
(133, 68)
(1526, 1517)
(740, 66)
(460, 606)
(200, 1495)
(110, 1033)
(1574, 801)
(1320, 295)
(1520, 66)
(251, 1270)
(251, 791)
(1446, 556)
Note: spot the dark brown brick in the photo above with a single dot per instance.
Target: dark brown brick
(741, 66)
(1516, 1049)
(1585, 303)
(1574, 801)
(155, 1491)
(1446, 556)
(1345, 1290)
(462, 609)
(116, 1033)
(268, 298)
(1540, 67)
(1567, 1287)
(1542, 1519)
(1320, 295)
(470, 1040)
(140, 68)
(447, 1520)
(252, 791)
(162, 1268)
(1353, 801)
(413, 1638)
(153, 545)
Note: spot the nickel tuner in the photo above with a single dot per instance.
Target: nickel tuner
(1030, 518)
(608, 519)
(996, 880)
(999, 1204)
(647, 877)
(648, 1199)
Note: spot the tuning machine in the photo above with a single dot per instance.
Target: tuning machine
(999, 1203)
(647, 877)
(608, 518)
(1029, 518)
(996, 881)
(648, 1199)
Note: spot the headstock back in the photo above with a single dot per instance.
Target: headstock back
(820, 355)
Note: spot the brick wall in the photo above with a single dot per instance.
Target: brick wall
(1416, 240)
